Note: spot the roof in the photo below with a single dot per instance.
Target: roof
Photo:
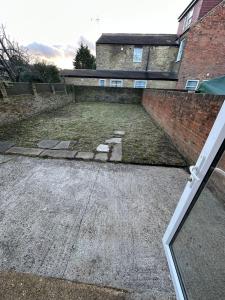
(138, 39)
(142, 75)
(190, 5)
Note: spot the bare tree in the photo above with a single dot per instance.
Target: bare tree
(13, 58)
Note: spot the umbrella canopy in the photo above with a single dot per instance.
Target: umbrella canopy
(214, 86)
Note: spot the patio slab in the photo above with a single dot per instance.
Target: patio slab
(59, 154)
(25, 151)
(48, 144)
(85, 155)
(89, 222)
(102, 148)
(64, 145)
(119, 132)
(114, 141)
(101, 157)
(116, 153)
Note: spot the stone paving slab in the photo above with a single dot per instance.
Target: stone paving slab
(119, 132)
(59, 154)
(101, 157)
(114, 141)
(85, 155)
(116, 153)
(5, 145)
(25, 151)
(48, 144)
(64, 145)
(102, 148)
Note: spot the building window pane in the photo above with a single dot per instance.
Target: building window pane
(141, 84)
(188, 19)
(137, 55)
(192, 85)
(181, 50)
(116, 83)
(102, 82)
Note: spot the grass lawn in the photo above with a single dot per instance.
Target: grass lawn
(92, 123)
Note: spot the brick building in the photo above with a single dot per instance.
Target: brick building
(164, 61)
(201, 33)
(131, 60)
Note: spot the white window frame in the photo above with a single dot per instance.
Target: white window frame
(186, 86)
(119, 80)
(104, 80)
(137, 57)
(136, 81)
(208, 153)
(188, 19)
(181, 50)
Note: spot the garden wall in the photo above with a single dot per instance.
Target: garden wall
(22, 100)
(107, 94)
(186, 117)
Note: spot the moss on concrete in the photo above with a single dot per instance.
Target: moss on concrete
(18, 286)
(92, 123)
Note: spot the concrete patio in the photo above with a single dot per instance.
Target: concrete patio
(88, 222)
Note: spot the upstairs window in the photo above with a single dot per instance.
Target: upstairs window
(181, 50)
(137, 55)
(188, 19)
(140, 84)
(191, 85)
(116, 83)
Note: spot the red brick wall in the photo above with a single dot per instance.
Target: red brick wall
(207, 5)
(204, 51)
(186, 117)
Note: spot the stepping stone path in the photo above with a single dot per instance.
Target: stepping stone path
(110, 151)
(102, 148)
(113, 148)
(116, 153)
(119, 132)
(114, 141)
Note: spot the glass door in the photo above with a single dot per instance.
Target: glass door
(194, 241)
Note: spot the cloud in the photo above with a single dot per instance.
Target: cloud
(61, 55)
(38, 49)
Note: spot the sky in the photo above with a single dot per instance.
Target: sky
(53, 29)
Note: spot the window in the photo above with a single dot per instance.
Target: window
(192, 85)
(188, 19)
(116, 83)
(101, 82)
(137, 55)
(181, 50)
(141, 84)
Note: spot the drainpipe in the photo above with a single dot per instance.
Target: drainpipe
(146, 69)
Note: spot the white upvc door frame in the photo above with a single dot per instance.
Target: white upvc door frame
(208, 153)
